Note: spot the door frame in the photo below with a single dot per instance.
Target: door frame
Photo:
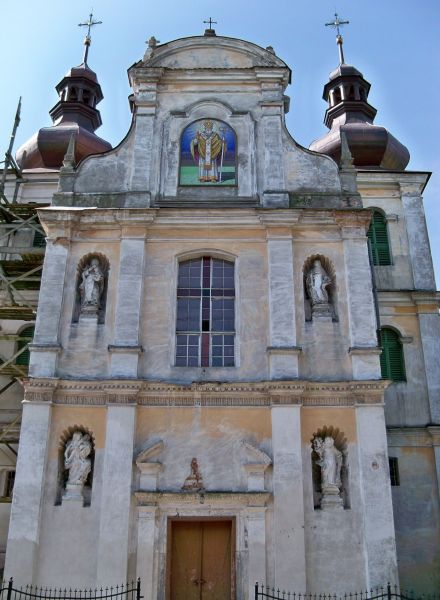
(171, 520)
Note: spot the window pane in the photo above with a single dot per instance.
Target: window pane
(205, 304)
(187, 350)
(188, 314)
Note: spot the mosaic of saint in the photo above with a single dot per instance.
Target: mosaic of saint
(207, 154)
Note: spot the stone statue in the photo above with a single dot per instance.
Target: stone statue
(78, 463)
(317, 282)
(194, 481)
(330, 461)
(91, 287)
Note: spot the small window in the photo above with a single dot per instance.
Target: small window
(394, 471)
(39, 240)
(26, 336)
(205, 326)
(392, 363)
(378, 236)
(9, 484)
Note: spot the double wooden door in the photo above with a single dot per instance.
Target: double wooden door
(201, 560)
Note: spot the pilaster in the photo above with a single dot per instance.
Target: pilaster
(282, 350)
(429, 323)
(379, 535)
(290, 565)
(145, 549)
(126, 349)
(112, 550)
(361, 315)
(256, 527)
(418, 240)
(26, 511)
(50, 302)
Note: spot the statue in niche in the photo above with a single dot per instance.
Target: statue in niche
(91, 287)
(78, 463)
(330, 462)
(193, 482)
(317, 282)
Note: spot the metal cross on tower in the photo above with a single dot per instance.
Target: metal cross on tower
(210, 22)
(336, 24)
(88, 40)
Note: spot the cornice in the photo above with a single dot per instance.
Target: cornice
(417, 437)
(400, 180)
(240, 394)
(216, 499)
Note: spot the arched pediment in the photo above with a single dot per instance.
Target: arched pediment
(211, 53)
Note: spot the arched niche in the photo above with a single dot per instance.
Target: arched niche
(208, 154)
(63, 473)
(104, 266)
(341, 444)
(331, 289)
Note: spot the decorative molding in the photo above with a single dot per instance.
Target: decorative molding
(218, 499)
(257, 394)
(416, 437)
(392, 217)
(125, 349)
(45, 347)
(150, 452)
(284, 350)
(362, 350)
(255, 467)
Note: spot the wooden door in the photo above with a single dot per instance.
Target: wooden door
(201, 560)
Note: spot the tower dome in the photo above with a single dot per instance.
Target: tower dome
(75, 113)
(349, 111)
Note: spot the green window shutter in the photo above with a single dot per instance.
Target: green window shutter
(378, 236)
(391, 360)
(23, 358)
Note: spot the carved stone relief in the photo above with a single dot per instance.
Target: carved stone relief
(194, 481)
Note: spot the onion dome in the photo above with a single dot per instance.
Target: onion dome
(74, 113)
(371, 146)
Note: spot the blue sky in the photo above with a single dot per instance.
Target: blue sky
(394, 43)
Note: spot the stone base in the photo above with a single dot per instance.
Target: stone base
(89, 317)
(73, 494)
(322, 312)
(331, 498)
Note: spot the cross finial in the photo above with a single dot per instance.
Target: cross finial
(210, 22)
(88, 40)
(336, 24)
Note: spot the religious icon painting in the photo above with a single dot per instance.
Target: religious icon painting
(208, 154)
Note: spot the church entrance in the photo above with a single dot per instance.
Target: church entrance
(200, 560)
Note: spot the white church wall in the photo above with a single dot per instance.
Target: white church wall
(70, 530)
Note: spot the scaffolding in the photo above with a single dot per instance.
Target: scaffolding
(20, 276)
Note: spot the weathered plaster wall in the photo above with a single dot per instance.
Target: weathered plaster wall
(70, 532)
(406, 402)
(417, 518)
(212, 435)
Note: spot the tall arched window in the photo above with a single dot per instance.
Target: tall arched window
(205, 327)
(378, 236)
(27, 334)
(392, 363)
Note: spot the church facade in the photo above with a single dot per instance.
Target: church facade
(235, 339)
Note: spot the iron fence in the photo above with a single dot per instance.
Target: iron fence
(129, 591)
(387, 592)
